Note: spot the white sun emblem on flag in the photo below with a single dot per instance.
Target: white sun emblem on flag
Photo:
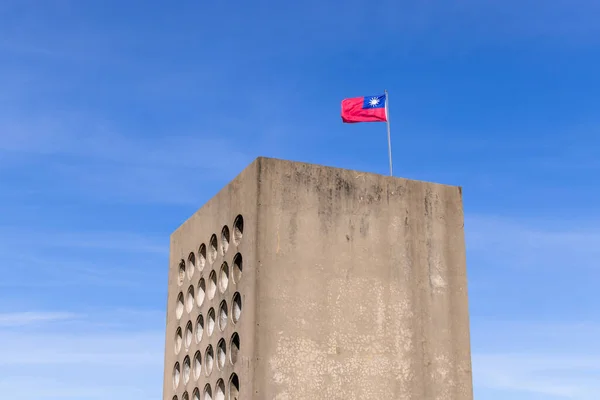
(374, 101)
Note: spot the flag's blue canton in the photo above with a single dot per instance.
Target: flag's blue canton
(374, 101)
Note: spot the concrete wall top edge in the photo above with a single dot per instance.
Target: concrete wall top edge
(274, 162)
(247, 173)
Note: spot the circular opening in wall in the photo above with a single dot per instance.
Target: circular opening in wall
(199, 328)
(212, 249)
(220, 390)
(234, 348)
(237, 268)
(222, 315)
(236, 308)
(208, 360)
(207, 392)
(201, 292)
(196, 394)
(238, 229)
(234, 387)
(211, 285)
(176, 373)
(181, 274)
(197, 365)
(179, 306)
(224, 240)
(186, 370)
(224, 277)
(185, 396)
(188, 335)
(189, 299)
(178, 341)
(191, 265)
(201, 257)
(210, 321)
(221, 354)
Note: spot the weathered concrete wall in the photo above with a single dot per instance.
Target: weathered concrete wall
(236, 199)
(363, 292)
(354, 286)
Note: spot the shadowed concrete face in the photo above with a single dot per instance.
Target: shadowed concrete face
(346, 286)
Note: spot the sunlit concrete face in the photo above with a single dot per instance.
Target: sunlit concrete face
(305, 282)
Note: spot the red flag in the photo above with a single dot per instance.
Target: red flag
(365, 109)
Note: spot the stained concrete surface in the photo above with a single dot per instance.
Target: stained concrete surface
(354, 286)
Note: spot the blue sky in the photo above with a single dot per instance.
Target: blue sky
(119, 119)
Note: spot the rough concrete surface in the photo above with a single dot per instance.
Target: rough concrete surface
(353, 286)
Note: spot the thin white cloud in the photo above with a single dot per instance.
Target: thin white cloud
(33, 387)
(94, 139)
(113, 348)
(527, 267)
(115, 365)
(559, 359)
(95, 259)
(12, 238)
(86, 157)
(528, 243)
(565, 376)
(19, 319)
(112, 354)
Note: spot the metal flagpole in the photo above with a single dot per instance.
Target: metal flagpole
(387, 117)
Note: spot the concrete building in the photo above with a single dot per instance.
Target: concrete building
(298, 281)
